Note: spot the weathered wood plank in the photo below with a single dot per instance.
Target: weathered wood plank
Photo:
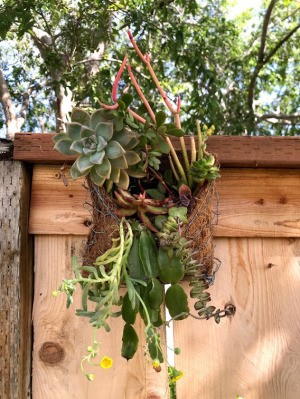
(256, 353)
(252, 203)
(232, 151)
(16, 282)
(61, 338)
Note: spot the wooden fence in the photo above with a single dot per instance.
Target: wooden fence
(254, 354)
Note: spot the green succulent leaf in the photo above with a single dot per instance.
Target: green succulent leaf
(132, 157)
(104, 169)
(132, 143)
(164, 147)
(104, 130)
(129, 342)
(114, 150)
(83, 163)
(77, 146)
(98, 180)
(97, 157)
(177, 302)
(123, 180)
(124, 137)
(97, 117)
(75, 173)
(63, 146)
(74, 130)
(60, 136)
(114, 174)
(80, 116)
(86, 132)
(119, 163)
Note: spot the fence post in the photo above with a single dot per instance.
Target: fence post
(16, 277)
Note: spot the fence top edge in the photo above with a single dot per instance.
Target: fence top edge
(231, 151)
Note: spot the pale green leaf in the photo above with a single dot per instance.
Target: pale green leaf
(63, 146)
(104, 169)
(132, 157)
(114, 150)
(124, 180)
(74, 130)
(83, 163)
(97, 157)
(105, 130)
(80, 116)
(119, 163)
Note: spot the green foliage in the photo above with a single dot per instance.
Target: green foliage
(209, 59)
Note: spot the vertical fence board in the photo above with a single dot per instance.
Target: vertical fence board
(61, 338)
(256, 353)
(15, 282)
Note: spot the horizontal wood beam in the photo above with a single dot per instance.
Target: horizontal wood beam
(252, 203)
(231, 151)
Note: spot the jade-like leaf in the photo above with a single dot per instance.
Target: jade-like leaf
(105, 130)
(127, 99)
(77, 146)
(60, 136)
(74, 130)
(80, 116)
(132, 143)
(164, 147)
(96, 118)
(119, 163)
(160, 118)
(86, 132)
(114, 150)
(132, 157)
(98, 180)
(97, 157)
(175, 132)
(124, 137)
(115, 175)
(83, 163)
(63, 146)
(124, 180)
(104, 169)
(75, 173)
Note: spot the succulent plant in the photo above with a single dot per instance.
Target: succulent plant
(103, 145)
(204, 169)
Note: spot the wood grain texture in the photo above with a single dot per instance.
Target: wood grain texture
(252, 203)
(231, 151)
(256, 353)
(16, 282)
(70, 335)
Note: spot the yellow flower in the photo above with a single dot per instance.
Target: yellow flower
(106, 362)
(155, 363)
(177, 377)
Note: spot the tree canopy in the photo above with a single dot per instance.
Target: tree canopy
(240, 74)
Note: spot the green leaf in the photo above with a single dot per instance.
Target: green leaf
(104, 130)
(63, 146)
(177, 302)
(134, 264)
(171, 269)
(86, 132)
(80, 116)
(98, 180)
(160, 118)
(119, 163)
(96, 118)
(155, 293)
(74, 130)
(83, 163)
(128, 311)
(148, 253)
(132, 143)
(114, 150)
(75, 173)
(175, 132)
(60, 136)
(127, 99)
(124, 137)
(104, 169)
(155, 194)
(123, 180)
(97, 157)
(115, 175)
(129, 342)
(132, 157)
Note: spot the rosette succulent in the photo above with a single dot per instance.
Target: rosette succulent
(103, 145)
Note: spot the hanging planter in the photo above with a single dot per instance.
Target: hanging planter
(152, 218)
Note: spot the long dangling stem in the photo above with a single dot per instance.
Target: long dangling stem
(200, 143)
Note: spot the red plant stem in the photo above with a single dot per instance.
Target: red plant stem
(109, 107)
(140, 93)
(117, 79)
(161, 180)
(137, 116)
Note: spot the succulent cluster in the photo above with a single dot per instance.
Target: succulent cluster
(204, 169)
(103, 145)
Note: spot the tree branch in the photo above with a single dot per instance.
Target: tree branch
(280, 43)
(286, 119)
(13, 124)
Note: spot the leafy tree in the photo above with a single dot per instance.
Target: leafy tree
(241, 75)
